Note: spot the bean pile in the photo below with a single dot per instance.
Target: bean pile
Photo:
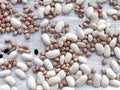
(64, 62)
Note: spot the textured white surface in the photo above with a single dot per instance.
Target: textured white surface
(35, 42)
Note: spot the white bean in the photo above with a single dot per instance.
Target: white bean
(58, 8)
(22, 66)
(117, 52)
(31, 84)
(113, 42)
(80, 32)
(50, 73)
(112, 11)
(85, 69)
(96, 80)
(68, 57)
(5, 87)
(46, 39)
(54, 87)
(37, 61)
(47, 10)
(102, 1)
(61, 41)
(39, 87)
(107, 51)
(90, 38)
(14, 88)
(41, 12)
(89, 11)
(79, 2)
(104, 81)
(78, 74)
(61, 74)
(60, 1)
(75, 48)
(67, 8)
(81, 80)
(82, 59)
(12, 55)
(74, 68)
(14, 1)
(101, 27)
(47, 63)
(62, 59)
(27, 57)
(81, 44)
(115, 83)
(59, 26)
(15, 23)
(110, 73)
(88, 31)
(10, 80)
(53, 53)
(68, 88)
(40, 78)
(114, 65)
(5, 73)
(70, 80)
(71, 36)
(47, 2)
(99, 48)
(54, 80)
(44, 23)
(19, 73)
(24, 1)
(45, 85)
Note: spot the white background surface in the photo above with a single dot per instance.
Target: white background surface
(35, 42)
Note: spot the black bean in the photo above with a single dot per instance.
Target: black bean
(36, 51)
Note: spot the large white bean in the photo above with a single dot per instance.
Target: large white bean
(47, 10)
(96, 80)
(68, 57)
(12, 55)
(81, 44)
(54, 80)
(117, 52)
(40, 77)
(79, 2)
(21, 74)
(14, 88)
(61, 41)
(22, 66)
(61, 74)
(115, 83)
(45, 85)
(54, 87)
(82, 59)
(10, 80)
(53, 53)
(27, 57)
(114, 65)
(14, 1)
(67, 8)
(15, 23)
(110, 73)
(102, 1)
(58, 8)
(47, 2)
(37, 61)
(80, 32)
(5, 73)
(81, 80)
(41, 12)
(113, 42)
(75, 48)
(31, 84)
(60, 1)
(71, 81)
(44, 23)
(112, 11)
(68, 88)
(74, 68)
(85, 69)
(5, 87)
(39, 87)
(107, 51)
(62, 59)
(88, 31)
(59, 26)
(71, 36)
(46, 39)
(90, 38)
(99, 48)
(104, 81)
(50, 73)
(78, 74)
(47, 63)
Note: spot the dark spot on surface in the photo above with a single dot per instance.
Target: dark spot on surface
(6, 50)
(1, 56)
(36, 51)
